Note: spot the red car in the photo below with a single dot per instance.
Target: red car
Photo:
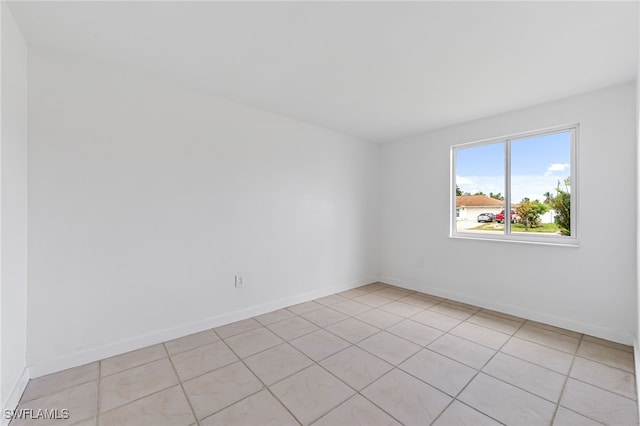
(500, 217)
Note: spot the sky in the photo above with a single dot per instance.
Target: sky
(537, 163)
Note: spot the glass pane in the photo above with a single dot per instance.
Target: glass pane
(540, 184)
(480, 188)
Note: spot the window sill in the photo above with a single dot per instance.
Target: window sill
(546, 241)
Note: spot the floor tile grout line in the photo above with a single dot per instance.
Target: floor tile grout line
(602, 389)
(605, 364)
(358, 341)
(331, 323)
(297, 336)
(241, 332)
(237, 360)
(208, 371)
(356, 344)
(542, 326)
(547, 347)
(57, 390)
(264, 387)
(453, 400)
(452, 305)
(261, 350)
(566, 380)
(139, 398)
(374, 403)
(98, 381)
(147, 362)
(359, 392)
(347, 400)
(323, 307)
(146, 395)
(443, 314)
(473, 341)
(478, 371)
(522, 389)
(473, 408)
(582, 415)
(388, 330)
(184, 392)
(98, 393)
(234, 403)
(197, 346)
(615, 346)
(527, 362)
(387, 327)
(545, 344)
(482, 313)
(274, 321)
(310, 365)
(534, 363)
(457, 360)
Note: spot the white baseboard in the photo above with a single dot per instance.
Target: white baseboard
(48, 366)
(11, 402)
(562, 322)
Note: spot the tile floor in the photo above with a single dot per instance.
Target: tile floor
(376, 355)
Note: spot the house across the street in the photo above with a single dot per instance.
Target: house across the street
(468, 207)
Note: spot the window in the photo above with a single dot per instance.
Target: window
(519, 188)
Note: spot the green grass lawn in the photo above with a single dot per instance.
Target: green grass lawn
(517, 227)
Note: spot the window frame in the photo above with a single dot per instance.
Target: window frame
(519, 237)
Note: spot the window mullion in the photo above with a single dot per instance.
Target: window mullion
(507, 184)
(573, 182)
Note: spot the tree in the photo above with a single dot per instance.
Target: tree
(497, 196)
(458, 191)
(561, 203)
(530, 212)
(479, 193)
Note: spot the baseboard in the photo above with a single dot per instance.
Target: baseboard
(562, 322)
(14, 397)
(49, 366)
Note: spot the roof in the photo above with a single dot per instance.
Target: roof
(477, 201)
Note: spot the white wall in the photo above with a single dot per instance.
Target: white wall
(13, 213)
(146, 200)
(589, 289)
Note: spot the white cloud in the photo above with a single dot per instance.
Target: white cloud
(486, 184)
(556, 167)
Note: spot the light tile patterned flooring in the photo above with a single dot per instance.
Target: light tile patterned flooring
(376, 355)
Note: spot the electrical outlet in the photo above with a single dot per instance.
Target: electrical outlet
(239, 281)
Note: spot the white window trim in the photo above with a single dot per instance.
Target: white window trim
(507, 236)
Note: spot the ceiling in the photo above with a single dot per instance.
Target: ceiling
(375, 70)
